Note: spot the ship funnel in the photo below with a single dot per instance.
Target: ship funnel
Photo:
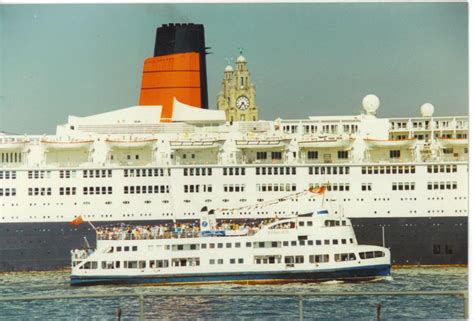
(207, 220)
(177, 70)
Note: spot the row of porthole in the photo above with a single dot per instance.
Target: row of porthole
(461, 198)
(460, 211)
(408, 199)
(435, 198)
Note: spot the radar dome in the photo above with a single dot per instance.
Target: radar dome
(229, 68)
(371, 104)
(427, 110)
(241, 59)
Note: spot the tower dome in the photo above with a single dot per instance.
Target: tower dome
(228, 68)
(370, 103)
(427, 110)
(241, 59)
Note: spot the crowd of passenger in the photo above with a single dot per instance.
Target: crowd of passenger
(175, 230)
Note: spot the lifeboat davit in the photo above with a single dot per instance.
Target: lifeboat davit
(195, 144)
(389, 143)
(262, 143)
(13, 145)
(453, 142)
(327, 142)
(69, 145)
(128, 144)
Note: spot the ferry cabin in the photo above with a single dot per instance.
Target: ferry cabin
(297, 249)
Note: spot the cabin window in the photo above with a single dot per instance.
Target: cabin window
(212, 261)
(220, 245)
(310, 242)
(293, 243)
(318, 242)
(237, 245)
(212, 246)
(334, 242)
(300, 223)
(203, 246)
(299, 259)
(232, 261)
(319, 258)
(134, 248)
(241, 261)
(285, 243)
(220, 261)
(248, 244)
(326, 242)
(126, 248)
(436, 249)
(118, 249)
(228, 245)
(395, 154)
(309, 223)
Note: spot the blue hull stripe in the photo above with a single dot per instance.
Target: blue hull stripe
(348, 274)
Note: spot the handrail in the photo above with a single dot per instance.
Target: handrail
(300, 295)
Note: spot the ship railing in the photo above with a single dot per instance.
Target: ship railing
(124, 236)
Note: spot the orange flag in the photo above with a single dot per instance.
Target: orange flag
(319, 190)
(77, 221)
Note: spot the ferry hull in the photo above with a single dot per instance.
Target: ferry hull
(347, 274)
(412, 241)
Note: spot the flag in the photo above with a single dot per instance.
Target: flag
(319, 190)
(77, 221)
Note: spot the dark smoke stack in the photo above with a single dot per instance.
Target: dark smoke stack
(181, 38)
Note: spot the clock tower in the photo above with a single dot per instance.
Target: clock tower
(237, 95)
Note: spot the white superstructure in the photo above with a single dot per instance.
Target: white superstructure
(127, 165)
(320, 247)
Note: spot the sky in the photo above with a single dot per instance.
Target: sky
(305, 59)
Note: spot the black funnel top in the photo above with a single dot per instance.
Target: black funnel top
(181, 38)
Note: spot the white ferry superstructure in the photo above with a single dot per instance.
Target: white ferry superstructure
(318, 248)
(404, 179)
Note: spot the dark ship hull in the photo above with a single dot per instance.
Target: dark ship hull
(412, 241)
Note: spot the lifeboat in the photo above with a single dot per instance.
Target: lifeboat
(13, 145)
(195, 144)
(327, 142)
(128, 144)
(262, 143)
(389, 143)
(69, 145)
(453, 142)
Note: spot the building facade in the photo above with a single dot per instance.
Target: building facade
(238, 96)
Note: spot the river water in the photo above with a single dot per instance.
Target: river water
(246, 308)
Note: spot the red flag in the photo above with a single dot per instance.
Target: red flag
(320, 190)
(77, 221)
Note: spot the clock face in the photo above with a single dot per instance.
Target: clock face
(242, 102)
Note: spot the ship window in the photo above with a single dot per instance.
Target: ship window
(318, 242)
(228, 245)
(343, 241)
(248, 244)
(241, 261)
(301, 223)
(220, 245)
(299, 259)
(326, 242)
(449, 249)
(436, 249)
(309, 223)
(334, 242)
(289, 260)
(134, 248)
(126, 248)
(351, 240)
(237, 245)
(310, 242)
(232, 261)
(220, 261)
(302, 242)
(285, 243)
(293, 243)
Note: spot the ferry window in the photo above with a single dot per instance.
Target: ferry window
(261, 244)
(343, 241)
(241, 261)
(289, 259)
(212, 246)
(220, 245)
(232, 261)
(318, 242)
(301, 223)
(285, 243)
(310, 242)
(126, 248)
(203, 246)
(228, 245)
(299, 259)
(455, 168)
(395, 154)
(352, 241)
(335, 242)
(455, 185)
(257, 170)
(212, 261)
(141, 264)
(220, 261)
(364, 171)
(293, 243)
(237, 245)
(342, 154)
(326, 242)
(134, 248)
(301, 242)
(430, 186)
(309, 223)
(430, 169)
(193, 247)
(248, 244)
(274, 244)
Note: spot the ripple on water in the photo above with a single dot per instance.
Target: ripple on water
(233, 308)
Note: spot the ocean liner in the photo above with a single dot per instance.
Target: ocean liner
(404, 179)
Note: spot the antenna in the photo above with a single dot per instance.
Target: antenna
(241, 50)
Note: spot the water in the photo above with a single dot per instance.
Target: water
(246, 308)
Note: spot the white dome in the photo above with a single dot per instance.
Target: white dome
(427, 110)
(371, 104)
(229, 68)
(241, 59)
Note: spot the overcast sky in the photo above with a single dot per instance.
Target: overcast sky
(305, 59)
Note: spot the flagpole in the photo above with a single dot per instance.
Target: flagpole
(90, 223)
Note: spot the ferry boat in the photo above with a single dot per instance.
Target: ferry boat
(404, 179)
(315, 248)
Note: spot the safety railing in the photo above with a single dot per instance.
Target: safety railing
(140, 295)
